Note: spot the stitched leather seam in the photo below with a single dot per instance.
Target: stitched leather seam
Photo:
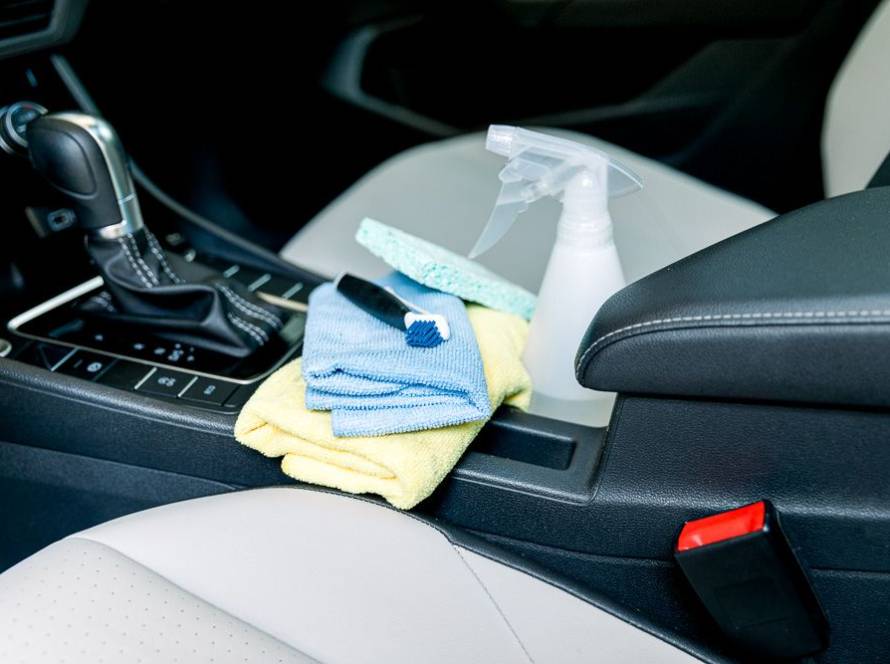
(133, 264)
(786, 316)
(249, 309)
(155, 248)
(493, 602)
(253, 326)
(151, 275)
(257, 333)
(241, 307)
(259, 311)
(457, 544)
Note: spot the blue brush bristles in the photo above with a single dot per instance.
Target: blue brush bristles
(425, 330)
(423, 334)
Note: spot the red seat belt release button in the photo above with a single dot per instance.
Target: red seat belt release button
(722, 526)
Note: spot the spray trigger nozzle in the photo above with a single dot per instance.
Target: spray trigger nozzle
(540, 165)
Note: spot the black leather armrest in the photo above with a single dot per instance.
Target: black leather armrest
(796, 309)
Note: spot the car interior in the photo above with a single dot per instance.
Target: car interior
(214, 447)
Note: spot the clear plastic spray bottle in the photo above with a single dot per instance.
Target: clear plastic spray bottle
(584, 269)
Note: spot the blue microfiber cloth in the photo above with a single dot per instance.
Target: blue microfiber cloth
(374, 383)
(436, 267)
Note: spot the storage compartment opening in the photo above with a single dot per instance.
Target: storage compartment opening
(533, 447)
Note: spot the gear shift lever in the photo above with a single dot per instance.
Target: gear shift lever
(82, 157)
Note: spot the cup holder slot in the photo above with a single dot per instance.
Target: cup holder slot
(533, 447)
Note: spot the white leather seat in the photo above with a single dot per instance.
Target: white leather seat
(444, 191)
(856, 131)
(293, 575)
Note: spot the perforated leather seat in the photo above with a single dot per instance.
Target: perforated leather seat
(294, 575)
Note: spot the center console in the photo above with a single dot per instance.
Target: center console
(147, 416)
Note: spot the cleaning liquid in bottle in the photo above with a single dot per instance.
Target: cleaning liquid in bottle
(584, 269)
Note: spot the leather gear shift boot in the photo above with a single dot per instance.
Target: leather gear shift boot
(187, 302)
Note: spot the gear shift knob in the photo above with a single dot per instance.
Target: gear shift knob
(81, 156)
(146, 287)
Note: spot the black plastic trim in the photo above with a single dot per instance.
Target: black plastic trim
(64, 23)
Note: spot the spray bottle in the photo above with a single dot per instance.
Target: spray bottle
(584, 269)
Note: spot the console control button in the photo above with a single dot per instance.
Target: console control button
(20, 115)
(277, 286)
(14, 121)
(124, 375)
(295, 292)
(88, 366)
(46, 356)
(46, 220)
(248, 277)
(209, 390)
(241, 395)
(165, 382)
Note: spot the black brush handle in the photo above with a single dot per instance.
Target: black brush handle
(372, 299)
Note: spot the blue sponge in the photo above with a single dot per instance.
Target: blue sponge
(438, 268)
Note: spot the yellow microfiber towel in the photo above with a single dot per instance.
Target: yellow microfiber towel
(404, 468)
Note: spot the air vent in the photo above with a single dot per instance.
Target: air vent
(24, 17)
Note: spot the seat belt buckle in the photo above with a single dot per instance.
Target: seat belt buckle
(743, 568)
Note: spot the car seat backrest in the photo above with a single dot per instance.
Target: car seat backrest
(856, 132)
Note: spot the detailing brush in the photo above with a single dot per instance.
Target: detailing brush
(422, 328)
